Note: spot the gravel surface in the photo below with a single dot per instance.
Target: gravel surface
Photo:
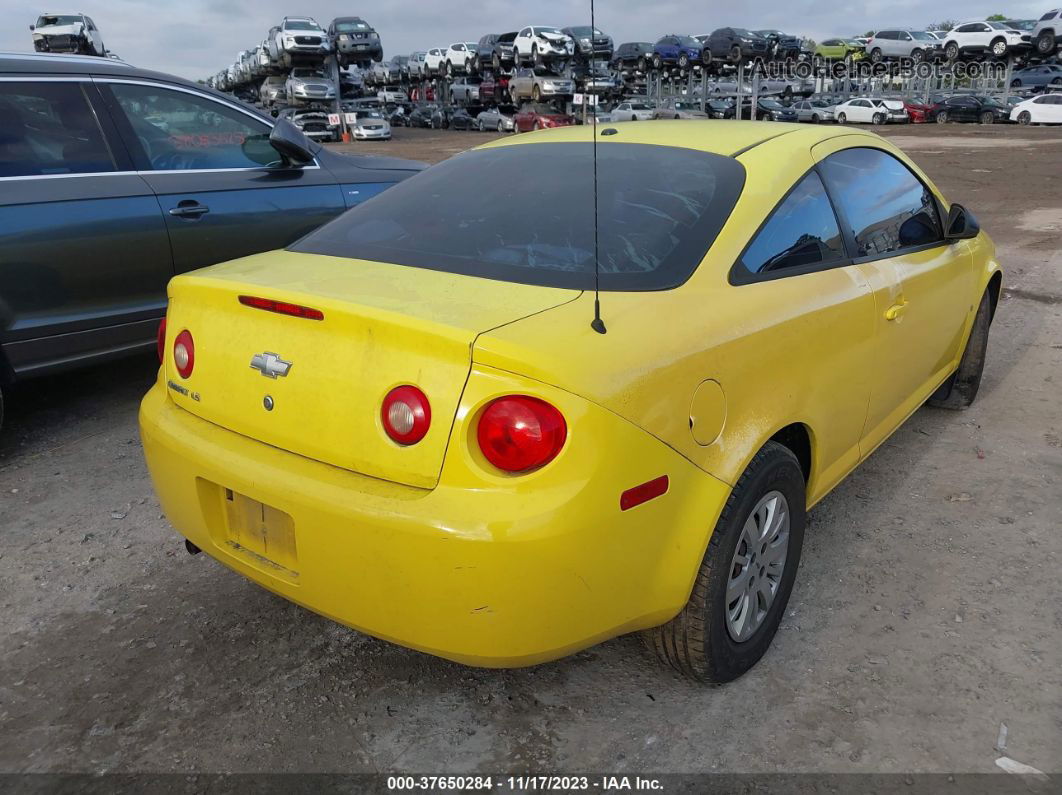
(926, 613)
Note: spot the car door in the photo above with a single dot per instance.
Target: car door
(797, 279)
(84, 256)
(219, 201)
(922, 284)
(1050, 109)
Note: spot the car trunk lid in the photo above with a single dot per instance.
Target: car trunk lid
(383, 326)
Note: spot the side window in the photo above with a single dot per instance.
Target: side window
(888, 208)
(49, 128)
(802, 232)
(180, 131)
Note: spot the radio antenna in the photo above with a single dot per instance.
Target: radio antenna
(597, 324)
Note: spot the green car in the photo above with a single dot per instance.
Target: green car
(839, 49)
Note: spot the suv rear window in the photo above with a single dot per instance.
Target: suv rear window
(525, 214)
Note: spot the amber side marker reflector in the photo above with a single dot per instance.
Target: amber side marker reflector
(281, 307)
(632, 498)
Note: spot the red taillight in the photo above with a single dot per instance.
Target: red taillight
(161, 340)
(282, 307)
(406, 414)
(184, 353)
(520, 433)
(643, 493)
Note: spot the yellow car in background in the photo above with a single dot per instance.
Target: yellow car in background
(406, 421)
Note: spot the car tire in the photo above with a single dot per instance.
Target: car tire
(1057, 82)
(1025, 118)
(960, 389)
(501, 126)
(987, 117)
(998, 48)
(735, 55)
(642, 64)
(815, 118)
(658, 62)
(951, 51)
(700, 641)
(1046, 43)
(1015, 83)
(942, 117)
(536, 93)
(536, 60)
(448, 69)
(876, 55)
(877, 119)
(842, 118)
(536, 126)
(470, 66)
(684, 62)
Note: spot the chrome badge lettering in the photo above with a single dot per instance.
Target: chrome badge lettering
(270, 365)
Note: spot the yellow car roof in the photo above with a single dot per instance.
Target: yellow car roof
(722, 137)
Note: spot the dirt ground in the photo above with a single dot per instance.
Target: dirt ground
(927, 610)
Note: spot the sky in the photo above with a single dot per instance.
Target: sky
(197, 38)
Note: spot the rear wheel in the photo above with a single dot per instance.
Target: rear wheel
(684, 61)
(917, 56)
(735, 54)
(951, 51)
(745, 577)
(1045, 45)
(959, 391)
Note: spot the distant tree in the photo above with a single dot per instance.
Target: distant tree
(944, 24)
(869, 34)
(997, 18)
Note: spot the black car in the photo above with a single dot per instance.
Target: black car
(421, 116)
(116, 179)
(633, 54)
(781, 46)
(772, 110)
(457, 119)
(355, 42)
(969, 108)
(735, 45)
(495, 50)
(720, 108)
(399, 117)
(590, 43)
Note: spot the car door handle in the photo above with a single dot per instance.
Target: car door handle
(189, 209)
(896, 310)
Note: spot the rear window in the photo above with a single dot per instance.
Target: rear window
(525, 214)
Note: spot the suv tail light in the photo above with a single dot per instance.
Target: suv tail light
(406, 414)
(161, 340)
(184, 353)
(518, 433)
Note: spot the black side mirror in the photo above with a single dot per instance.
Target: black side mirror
(33, 27)
(961, 224)
(293, 146)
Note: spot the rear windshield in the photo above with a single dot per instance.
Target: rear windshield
(525, 214)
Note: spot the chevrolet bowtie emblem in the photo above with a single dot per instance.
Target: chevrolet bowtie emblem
(270, 365)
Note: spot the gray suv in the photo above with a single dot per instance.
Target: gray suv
(918, 45)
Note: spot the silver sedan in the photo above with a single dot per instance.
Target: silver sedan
(494, 119)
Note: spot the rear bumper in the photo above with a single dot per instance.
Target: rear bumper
(483, 569)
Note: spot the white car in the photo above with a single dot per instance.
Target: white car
(273, 90)
(870, 111)
(1045, 35)
(300, 38)
(632, 110)
(370, 125)
(308, 84)
(539, 44)
(995, 38)
(434, 60)
(392, 95)
(75, 33)
(460, 58)
(1044, 109)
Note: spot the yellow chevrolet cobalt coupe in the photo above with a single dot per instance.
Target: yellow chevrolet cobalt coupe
(406, 422)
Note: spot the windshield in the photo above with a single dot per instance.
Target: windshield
(514, 213)
(547, 30)
(766, 33)
(299, 24)
(680, 105)
(921, 35)
(639, 106)
(306, 73)
(770, 103)
(369, 114)
(1021, 24)
(58, 20)
(748, 34)
(350, 27)
(688, 41)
